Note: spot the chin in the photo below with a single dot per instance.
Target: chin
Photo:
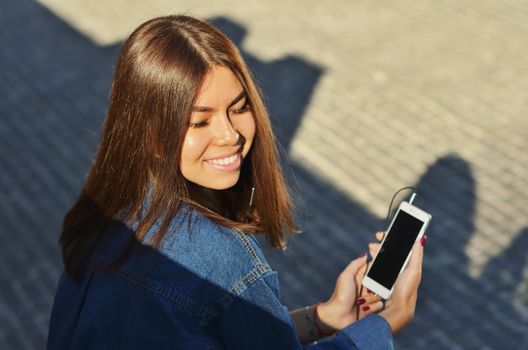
(222, 183)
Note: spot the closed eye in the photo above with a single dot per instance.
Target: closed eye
(201, 124)
(245, 108)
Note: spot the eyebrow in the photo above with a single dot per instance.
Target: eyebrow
(210, 109)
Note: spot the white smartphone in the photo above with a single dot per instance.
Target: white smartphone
(407, 226)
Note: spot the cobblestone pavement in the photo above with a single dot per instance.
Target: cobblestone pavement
(367, 96)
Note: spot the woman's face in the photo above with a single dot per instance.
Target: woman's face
(220, 132)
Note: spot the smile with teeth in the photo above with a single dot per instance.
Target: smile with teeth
(224, 161)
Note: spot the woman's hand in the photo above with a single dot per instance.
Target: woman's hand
(399, 309)
(342, 307)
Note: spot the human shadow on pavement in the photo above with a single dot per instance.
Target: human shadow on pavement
(473, 312)
(453, 307)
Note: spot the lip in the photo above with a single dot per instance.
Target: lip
(228, 167)
(227, 155)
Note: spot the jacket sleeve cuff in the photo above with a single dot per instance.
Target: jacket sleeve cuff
(372, 332)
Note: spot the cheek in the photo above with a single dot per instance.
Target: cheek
(247, 129)
(193, 147)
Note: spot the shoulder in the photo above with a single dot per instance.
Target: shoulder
(200, 258)
(199, 265)
(223, 256)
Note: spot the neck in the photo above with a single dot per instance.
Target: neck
(214, 200)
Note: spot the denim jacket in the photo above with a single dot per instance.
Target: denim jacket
(205, 287)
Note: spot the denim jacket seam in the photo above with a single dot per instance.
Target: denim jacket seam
(185, 302)
(249, 279)
(249, 248)
(240, 287)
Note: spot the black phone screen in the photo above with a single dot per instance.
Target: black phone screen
(395, 249)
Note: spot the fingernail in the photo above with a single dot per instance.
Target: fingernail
(366, 308)
(423, 240)
(362, 255)
(369, 291)
(360, 301)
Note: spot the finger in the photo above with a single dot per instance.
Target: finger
(367, 299)
(417, 253)
(373, 249)
(368, 309)
(407, 284)
(380, 235)
(360, 274)
(410, 278)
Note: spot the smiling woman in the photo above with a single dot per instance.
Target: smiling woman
(159, 249)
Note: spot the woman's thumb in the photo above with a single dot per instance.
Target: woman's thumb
(417, 254)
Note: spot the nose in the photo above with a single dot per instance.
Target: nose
(225, 133)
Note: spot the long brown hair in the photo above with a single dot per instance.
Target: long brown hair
(158, 75)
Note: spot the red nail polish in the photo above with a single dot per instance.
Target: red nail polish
(366, 308)
(369, 291)
(362, 255)
(423, 240)
(360, 301)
